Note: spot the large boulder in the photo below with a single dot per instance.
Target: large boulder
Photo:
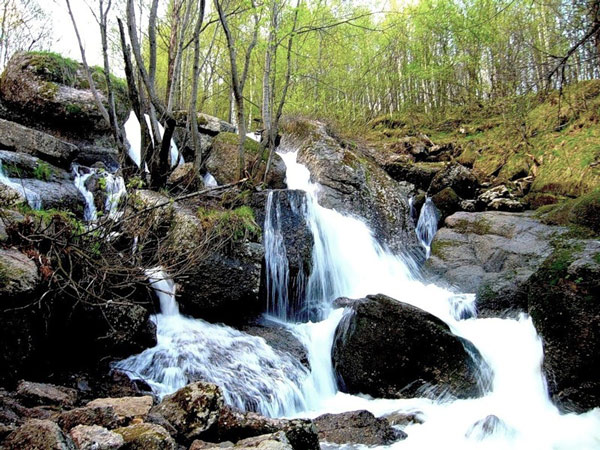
(457, 177)
(419, 174)
(47, 88)
(193, 411)
(390, 349)
(34, 394)
(125, 408)
(40, 181)
(103, 416)
(356, 427)
(197, 412)
(564, 303)
(38, 434)
(20, 138)
(221, 255)
(94, 437)
(352, 182)
(146, 436)
(20, 282)
(491, 254)
(19, 277)
(222, 161)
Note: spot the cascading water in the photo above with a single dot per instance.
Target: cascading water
(251, 374)
(276, 261)
(114, 190)
(347, 261)
(427, 225)
(33, 198)
(89, 213)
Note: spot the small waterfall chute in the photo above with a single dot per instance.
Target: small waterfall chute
(114, 191)
(427, 225)
(209, 180)
(252, 375)
(33, 199)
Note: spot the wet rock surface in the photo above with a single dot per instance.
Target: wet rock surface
(352, 182)
(356, 427)
(491, 254)
(564, 303)
(421, 352)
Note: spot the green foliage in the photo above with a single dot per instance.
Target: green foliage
(135, 183)
(54, 67)
(102, 183)
(581, 214)
(42, 171)
(231, 225)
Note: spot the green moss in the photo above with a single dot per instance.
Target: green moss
(438, 247)
(54, 67)
(556, 265)
(234, 225)
(480, 226)
(554, 139)
(580, 212)
(597, 257)
(47, 216)
(250, 146)
(43, 171)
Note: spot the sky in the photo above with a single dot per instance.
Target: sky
(65, 41)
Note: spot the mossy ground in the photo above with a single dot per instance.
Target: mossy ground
(581, 215)
(250, 146)
(231, 224)
(554, 138)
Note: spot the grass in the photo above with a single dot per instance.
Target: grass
(43, 171)
(232, 225)
(554, 138)
(581, 214)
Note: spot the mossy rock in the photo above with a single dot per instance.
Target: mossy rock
(222, 161)
(583, 211)
(49, 88)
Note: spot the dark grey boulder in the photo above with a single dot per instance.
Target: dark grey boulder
(386, 348)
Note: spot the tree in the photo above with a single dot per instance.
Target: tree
(24, 26)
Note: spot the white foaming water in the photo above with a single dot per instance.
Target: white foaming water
(347, 261)
(133, 134)
(252, 375)
(276, 261)
(33, 198)
(114, 189)
(134, 137)
(89, 213)
(209, 180)
(427, 225)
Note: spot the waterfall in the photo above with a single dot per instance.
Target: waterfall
(427, 225)
(348, 261)
(33, 198)
(89, 213)
(276, 261)
(251, 374)
(113, 186)
(133, 134)
(209, 180)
